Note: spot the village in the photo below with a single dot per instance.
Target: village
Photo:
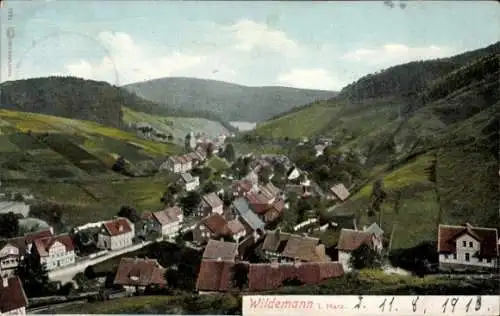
(237, 219)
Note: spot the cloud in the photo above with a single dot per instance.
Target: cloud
(131, 61)
(391, 54)
(251, 35)
(311, 78)
(230, 50)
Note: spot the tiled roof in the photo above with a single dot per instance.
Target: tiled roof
(351, 239)
(223, 250)
(275, 241)
(22, 242)
(258, 203)
(216, 224)
(118, 226)
(215, 276)
(340, 191)
(487, 238)
(303, 248)
(168, 215)
(140, 272)
(270, 276)
(279, 205)
(242, 186)
(44, 244)
(12, 297)
(235, 226)
(272, 189)
(212, 200)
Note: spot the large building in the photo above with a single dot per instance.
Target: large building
(467, 247)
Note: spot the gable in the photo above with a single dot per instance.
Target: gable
(57, 244)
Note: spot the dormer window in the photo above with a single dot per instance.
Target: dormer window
(464, 243)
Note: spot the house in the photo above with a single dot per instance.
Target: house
(274, 243)
(12, 251)
(376, 230)
(215, 276)
(197, 157)
(210, 204)
(172, 164)
(319, 149)
(13, 300)
(211, 227)
(188, 182)
(270, 192)
(168, 221)
(55, 251)
(271, 276)
(116, 234)
(339, 192)
(241, 188)
(467, 247)
(253, 224)
(275, 211)
(178, 164)
(137, 274)
(220, 250)
(237, 229)
(252, 177)
(350, 240)
(304, 248)
(293, 173)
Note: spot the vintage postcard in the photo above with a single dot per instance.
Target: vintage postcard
(249, 158)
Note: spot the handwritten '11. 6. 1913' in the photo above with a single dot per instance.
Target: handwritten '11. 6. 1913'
(449, 305)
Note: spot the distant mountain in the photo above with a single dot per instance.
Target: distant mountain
(83, 99)
(229, 101)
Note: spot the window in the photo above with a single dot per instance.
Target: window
(464, 243)
(446, 256)
(455, 256)
(488, 260)
(470, 244)
(467, 257)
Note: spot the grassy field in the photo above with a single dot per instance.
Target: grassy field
(299, 124)
(177, 126)
(68, 162)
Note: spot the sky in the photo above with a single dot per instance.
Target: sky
(317, 45)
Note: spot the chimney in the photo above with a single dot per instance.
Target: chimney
(5, 282)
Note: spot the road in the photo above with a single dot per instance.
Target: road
(67, 274)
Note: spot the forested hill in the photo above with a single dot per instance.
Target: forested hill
(83, 99)
(412, 77)
(229, 101)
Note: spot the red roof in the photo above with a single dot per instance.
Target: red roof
(242, 186)
(216, 224)
(22, 242)
(43, 245)
(12, 297)
(269, 276)
(487, 237)
(168, 215)
(141, 272)
(215, 276)
(118, 226)
(258, 202)
(350, 239)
